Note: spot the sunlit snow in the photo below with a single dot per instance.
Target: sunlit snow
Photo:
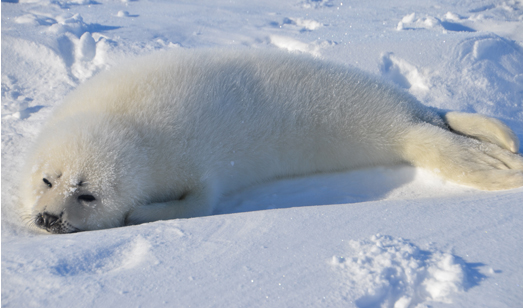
(381, 237)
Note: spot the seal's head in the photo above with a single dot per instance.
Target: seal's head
(83, 175)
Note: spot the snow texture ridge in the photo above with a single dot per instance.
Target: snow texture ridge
(123, 256)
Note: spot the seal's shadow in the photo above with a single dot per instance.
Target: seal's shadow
(322, 189)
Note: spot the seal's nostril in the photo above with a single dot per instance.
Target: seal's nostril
(39, 220)
(46, 220)
(49, 219)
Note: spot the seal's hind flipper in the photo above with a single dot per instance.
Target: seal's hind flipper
(463, 160)
(483, 128)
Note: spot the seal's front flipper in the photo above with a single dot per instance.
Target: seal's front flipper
(195, 203)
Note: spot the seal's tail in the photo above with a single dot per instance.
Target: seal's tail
(482, 128)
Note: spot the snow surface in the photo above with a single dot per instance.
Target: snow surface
(382, 237)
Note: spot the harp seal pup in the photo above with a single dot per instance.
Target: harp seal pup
(166, 135)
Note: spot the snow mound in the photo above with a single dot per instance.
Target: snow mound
(73, 23)
(494, 66)
(410, 22)
(302, 24)
(402, 73)
(294, 45)
(449, 22)
(484, 74)
(122, 14)
(392, 272)
(504, 19)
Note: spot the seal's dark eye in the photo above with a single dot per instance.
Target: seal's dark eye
(46, 181)
(86, 198)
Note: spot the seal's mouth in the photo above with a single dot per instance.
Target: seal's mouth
(54, 224)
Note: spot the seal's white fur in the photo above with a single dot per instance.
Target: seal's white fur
(166, 136)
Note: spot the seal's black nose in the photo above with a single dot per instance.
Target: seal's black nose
(46, 220)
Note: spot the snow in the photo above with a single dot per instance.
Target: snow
(381, 237)
(394, 271)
